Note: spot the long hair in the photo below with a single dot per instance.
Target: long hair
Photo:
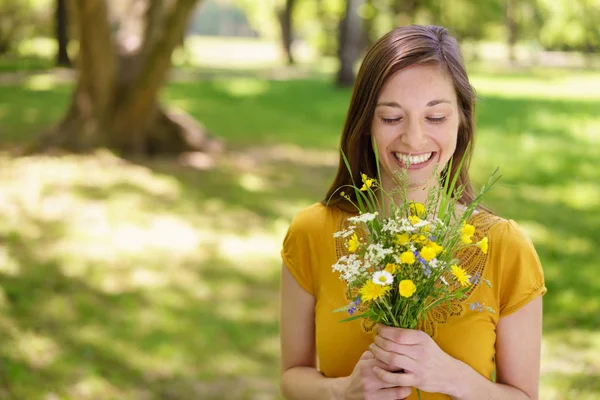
(397, 50)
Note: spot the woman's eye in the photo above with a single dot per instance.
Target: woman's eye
(436, 120)
(390, 120)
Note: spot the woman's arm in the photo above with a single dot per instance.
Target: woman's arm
(518, 347)
(300, 378)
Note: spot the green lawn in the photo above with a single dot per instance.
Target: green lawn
(155, 280)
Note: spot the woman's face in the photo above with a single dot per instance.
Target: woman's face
(415, 124)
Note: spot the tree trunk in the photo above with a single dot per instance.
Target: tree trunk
(62, 57)
(511, 28)
(115, 103)
(368, 24)
(287, 29)
(349, 42)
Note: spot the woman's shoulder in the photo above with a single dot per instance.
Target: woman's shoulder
(507, 230)
(315, 213)
(505, 236)
(315, 217)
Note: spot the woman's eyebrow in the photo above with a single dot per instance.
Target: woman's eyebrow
(438, 101)
(397, 105)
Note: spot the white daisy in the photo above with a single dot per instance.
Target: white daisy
(383, 278)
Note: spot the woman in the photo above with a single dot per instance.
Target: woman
(412, 95)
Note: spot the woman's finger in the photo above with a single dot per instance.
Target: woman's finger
(408, 350)
(395, 393)
(403, 379)
(395, 360)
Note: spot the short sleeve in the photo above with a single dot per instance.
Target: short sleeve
(520, 271)
(298, 245)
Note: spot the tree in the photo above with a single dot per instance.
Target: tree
(287, 28)
(349, 42)
(115, 101)
(511, 28)
(62, 37)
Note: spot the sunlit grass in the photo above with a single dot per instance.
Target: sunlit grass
(154, 280)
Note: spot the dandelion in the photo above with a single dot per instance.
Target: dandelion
(407, 288)
(383, 278)
(372, 291)
(407, 258)
(353, 243)
(460, 275)
(483, 245)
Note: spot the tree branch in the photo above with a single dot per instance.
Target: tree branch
(155, 65)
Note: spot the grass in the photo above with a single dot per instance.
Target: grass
(153, 280)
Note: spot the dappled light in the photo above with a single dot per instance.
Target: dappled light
(41, 82)
(143, 279)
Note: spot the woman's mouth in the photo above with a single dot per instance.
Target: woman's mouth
(414, 161)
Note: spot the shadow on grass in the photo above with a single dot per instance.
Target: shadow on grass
(66, 336)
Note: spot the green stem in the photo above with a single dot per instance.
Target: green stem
(419, 394)
(391, 313)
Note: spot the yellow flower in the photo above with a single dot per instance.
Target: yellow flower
(407, 288)
(407, 258)
(483, 245)
(367, 182)
(418, 239)
(414, 219)
(402, 239)
(436, 247)
(468, 230)
(466, 239)
(460, 275)
(353, 243)
(427, 253)
(372, 291)
(417, 209)
(391, 268)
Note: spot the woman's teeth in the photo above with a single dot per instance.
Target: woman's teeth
(412, 160)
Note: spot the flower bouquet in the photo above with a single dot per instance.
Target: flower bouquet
(401, 265)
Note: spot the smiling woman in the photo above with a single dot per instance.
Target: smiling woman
(412, 109)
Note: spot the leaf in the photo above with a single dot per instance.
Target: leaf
(342, 309)
(352, 318)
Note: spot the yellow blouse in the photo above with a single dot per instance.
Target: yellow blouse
(511, 265)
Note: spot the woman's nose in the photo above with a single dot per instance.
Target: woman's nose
(414, 136)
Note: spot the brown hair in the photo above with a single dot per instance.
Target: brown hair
(399, 49)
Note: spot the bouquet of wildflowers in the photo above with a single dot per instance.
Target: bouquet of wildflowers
(402, 265)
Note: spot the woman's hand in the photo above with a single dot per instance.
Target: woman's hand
(363, 383)
(425, 366)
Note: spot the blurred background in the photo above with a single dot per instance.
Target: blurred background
(153, 153)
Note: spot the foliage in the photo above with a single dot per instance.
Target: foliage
(20, 19)
(123, 280)
(570, 25)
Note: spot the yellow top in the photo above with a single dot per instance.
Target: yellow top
(511, 265)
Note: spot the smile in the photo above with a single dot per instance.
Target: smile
(413, 160)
